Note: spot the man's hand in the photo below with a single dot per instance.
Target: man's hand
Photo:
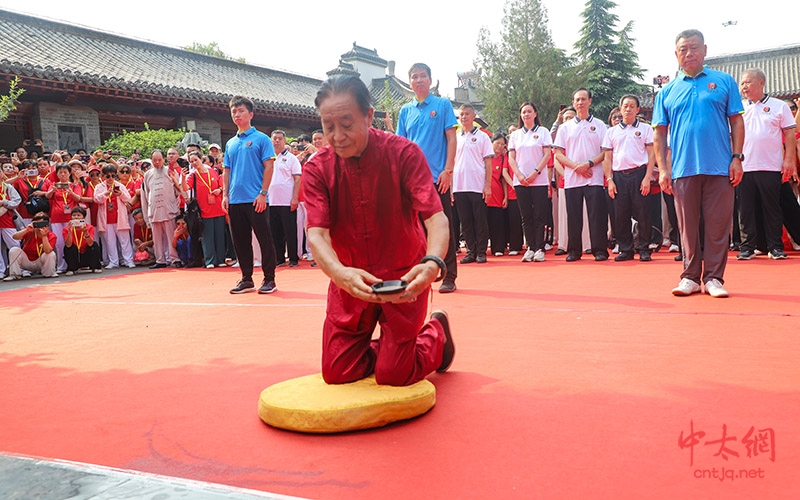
(444, 181)
(645, 187)
(358, 283)
(612, 189)
(487, 192)
(419, 278)
(789, 171)
(736, 172)
(225, 203)
(665, 181)
(260, 203)
(583, 169)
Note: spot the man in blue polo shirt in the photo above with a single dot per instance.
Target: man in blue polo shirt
(429, 121)
(249, 161)
(702, 110)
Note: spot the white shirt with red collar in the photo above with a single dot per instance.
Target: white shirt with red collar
(628, 143)
(765, 121)
(469, 170)
(581, 141)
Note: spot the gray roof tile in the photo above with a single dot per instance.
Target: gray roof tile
(781, 65)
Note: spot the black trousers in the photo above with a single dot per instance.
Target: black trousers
(791, 211)
(628, 203)
(244, 220)
(450, 256)
(472, 213)
(283, 222)
(498, 228)
(763, 187)
(595, 197)
(89, 258)
(514, 219)
(533, 208)
(672, 216)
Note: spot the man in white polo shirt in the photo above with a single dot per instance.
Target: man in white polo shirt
(581, 139)
(284, 195)
(472, 184)
(629, 155)
(768, 122)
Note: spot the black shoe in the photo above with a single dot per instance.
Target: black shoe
(468, 259)
(314, 264)
(243, 286)
(679, 257)
(449, 349)
(177, 264)
(293, 264)
(481, 259)
(447, 286)
(623, 256)
(572, 257)
(281, 264)
(560, 251)
(645, 257)
(158, 265)
(601, 257)
(746, 255)
(267, 286)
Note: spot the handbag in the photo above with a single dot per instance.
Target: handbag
(36, 204)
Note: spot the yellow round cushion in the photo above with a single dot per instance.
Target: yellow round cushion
(308, 404)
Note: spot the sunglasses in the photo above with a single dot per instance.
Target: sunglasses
(124, 171)
(109, 176)
(95, 174)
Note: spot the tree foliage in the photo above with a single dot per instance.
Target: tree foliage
(145, 141)
(523, 66)
(8, 102)
(608, 61)
(211, 49)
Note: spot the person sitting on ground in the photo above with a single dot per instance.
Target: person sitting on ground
(142, 240)
(80, 248)
(182, 242)
(37, 252)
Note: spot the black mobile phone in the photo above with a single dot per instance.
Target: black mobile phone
(380, 114)
(38, 224)
(562, 107)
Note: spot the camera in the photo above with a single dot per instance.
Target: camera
(38, 224)
(31, 172)
(182, 162)
(78, 222)
(301, 147)
(85, 158)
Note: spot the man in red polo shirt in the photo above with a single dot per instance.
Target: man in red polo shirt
(365, 196)
(37, 253)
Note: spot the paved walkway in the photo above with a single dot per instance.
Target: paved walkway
(25, 478)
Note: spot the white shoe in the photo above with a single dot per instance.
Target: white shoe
(686, 287)
(513, 253)
(97, 271)
(130, 265)
(111, 266)
(235, 265)
(616, 249)
(674, 248)
(548, 246)
(528, 257)
(665, 242)
(210, 266)
(222, 264)
(257, 263)
(26, 273)
(758, 252)
(12, 277)
(652, 246)
(714, 288)
(498, 254)
(69, 273)
(538, 256)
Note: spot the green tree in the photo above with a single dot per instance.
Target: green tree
(211, 49)
(8, 102)
(524, 65)
(608, 60)
(145, 141)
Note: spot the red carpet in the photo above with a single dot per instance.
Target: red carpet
(570, 381)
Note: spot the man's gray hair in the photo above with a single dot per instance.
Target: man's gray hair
(755, 72)
(689, 34)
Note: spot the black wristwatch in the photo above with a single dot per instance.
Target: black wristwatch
(591, 163)
(263, 191)
(439, 262)
(737, 155)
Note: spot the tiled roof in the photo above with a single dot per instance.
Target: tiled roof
(344, 68)
(781, 65)
(50, 50)
(399, 92)
(364, 54)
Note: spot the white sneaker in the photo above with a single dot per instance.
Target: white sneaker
(616, 249)
(548, 246)
(26, 273)
(111, 266)
(528, 257)
(222, 264)
(538, 256)
(758, 252)
(69, 273)
(235, 265)
(12, 277)
(513, 253)
(685, 288)
(210, 266)
(665, 242)
(714, 288)
(652, 246)
(498, 254)
(674, 248)
(257, 263)
(130, 265)
(97, 271)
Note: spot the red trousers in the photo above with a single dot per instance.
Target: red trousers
(407, 350)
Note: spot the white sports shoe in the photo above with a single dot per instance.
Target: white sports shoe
(513, 252)
(538, 256)
(529, 255)
(714, 288)
(686, 287)
(674, 248)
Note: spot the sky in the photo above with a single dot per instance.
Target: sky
(308, 40)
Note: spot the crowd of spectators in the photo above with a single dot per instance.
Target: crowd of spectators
(63, 212)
